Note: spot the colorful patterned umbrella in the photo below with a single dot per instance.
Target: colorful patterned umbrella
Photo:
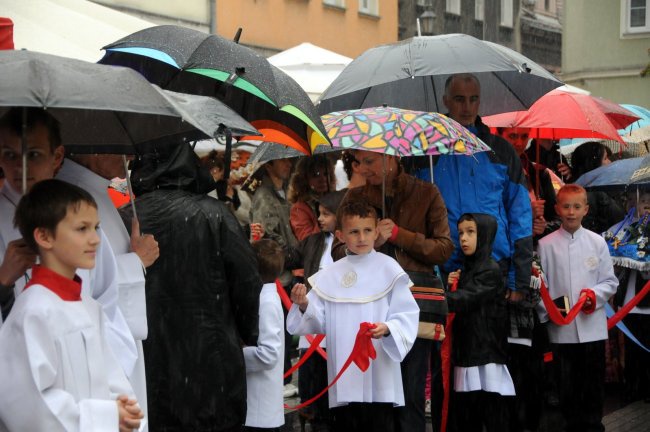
(396, 131)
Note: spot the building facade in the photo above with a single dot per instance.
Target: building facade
(348, 27)
(606, 48)
(531, 27)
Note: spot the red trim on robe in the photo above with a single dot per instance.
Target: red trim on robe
(66, 289)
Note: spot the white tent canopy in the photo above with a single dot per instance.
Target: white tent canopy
(314, 68)
(68, 28)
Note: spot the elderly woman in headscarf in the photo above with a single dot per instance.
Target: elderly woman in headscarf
(314, 177)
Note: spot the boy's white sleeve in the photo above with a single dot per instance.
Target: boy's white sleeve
(542, 314)
(269, 350)
(29, 367)
(402, 321)
(607, 280)
(310, 322)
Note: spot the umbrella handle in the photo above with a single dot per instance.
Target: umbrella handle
(228, 153)
(129, 187)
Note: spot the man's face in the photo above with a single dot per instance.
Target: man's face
(463, 100)
(280, 168)
(108, 166)
(42, 162)
(371, 166)
(518, 137)
(358, 234)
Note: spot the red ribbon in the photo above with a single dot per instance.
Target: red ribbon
(362, 351)
(554, 313)
(622, 312)
(445, 358)
(286, 301)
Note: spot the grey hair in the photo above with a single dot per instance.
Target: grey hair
(461, 76)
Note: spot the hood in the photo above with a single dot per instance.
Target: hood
(170, 167)
(486, 226)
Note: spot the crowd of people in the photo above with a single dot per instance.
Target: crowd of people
(174, 320)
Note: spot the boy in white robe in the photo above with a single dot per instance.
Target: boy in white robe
(577, 264)
(57, 372)
(265, 362)
(365, 286)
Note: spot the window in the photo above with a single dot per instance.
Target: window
(506, 13)
(479, 10)
(337, 3)
(453, 6)
(635, 16)
(370, 7)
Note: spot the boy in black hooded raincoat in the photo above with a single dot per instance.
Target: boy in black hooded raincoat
(479, 347)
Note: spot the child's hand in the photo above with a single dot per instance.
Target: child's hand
(299, 296)
(257, 231)
(379, 331)
(588, 304)
(129, 413)
(453, 277)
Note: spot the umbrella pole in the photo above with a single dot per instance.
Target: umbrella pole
(129, 187)
(537, 156)
(383, 187)
(23, 145)
(431, 167)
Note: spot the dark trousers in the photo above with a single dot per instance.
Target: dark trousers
(312, 379)
(582, 385)
(471, 411)
(410, 417)
(525, 367)
(363, 417)
(637, 360)
(256, 429)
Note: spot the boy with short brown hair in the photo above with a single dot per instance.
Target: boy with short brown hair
(56, 368)
(364, 287)
(577, 263)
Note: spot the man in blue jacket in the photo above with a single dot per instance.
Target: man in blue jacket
(489, 182)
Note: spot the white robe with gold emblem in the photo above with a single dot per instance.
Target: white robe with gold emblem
(361, 288)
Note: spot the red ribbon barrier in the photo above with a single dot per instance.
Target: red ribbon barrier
(622, 312)
(362, 351)
(554, 313)
(445, 358)
(286, 301)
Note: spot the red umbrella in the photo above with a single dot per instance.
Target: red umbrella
(559, 114)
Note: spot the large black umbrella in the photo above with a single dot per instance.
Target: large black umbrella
(108, 109)
(411, 74)
(181, 59)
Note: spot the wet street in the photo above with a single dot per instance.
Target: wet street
(619, 416)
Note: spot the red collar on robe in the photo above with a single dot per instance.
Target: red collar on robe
(66, 289)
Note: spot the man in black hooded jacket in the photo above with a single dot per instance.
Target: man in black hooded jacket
(202, 296)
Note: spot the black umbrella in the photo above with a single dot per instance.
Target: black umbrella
(107, 109)
(411, 74)
(181, 59)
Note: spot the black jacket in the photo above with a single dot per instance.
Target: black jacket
(481, 324)
(202, 297)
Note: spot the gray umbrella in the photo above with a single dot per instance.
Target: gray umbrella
(411, 74)
(108, 109)
(268, 151)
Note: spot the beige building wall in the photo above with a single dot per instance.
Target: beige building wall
(596, 56)
(281, 24)
(272, 26)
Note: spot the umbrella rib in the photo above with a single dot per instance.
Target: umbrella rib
(510, 90)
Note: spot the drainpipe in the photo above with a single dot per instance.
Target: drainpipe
(213, 16)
